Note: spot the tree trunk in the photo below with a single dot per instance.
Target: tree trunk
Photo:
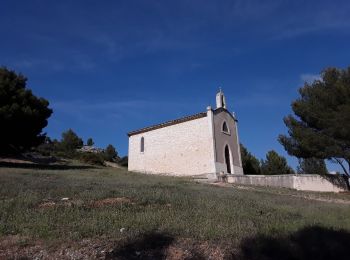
(347, 181)
(343, 167)
(347, 176)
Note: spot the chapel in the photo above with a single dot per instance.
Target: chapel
(203, 144)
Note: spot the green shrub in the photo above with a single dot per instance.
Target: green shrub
(110, 153)
(70, 141)
(91, 158)
(123, 161)
(90, 142)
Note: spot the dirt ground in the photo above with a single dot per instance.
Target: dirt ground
(148, 247)
(74, 211)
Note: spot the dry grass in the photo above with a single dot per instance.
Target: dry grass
(116, 205)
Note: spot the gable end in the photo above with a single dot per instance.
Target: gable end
(221, 109)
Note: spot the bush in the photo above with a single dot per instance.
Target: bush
(91, 158)
(66, 148)
(47, 148)
(90, 142)
(110, 153)
(70, 141)
(123, 161)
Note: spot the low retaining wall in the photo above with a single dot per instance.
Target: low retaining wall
(327, 183)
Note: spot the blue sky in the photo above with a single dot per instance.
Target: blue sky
(108, 67)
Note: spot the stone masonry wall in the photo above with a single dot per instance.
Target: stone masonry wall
(183, 149)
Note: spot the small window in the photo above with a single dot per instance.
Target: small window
(142, 148)
(225, 128)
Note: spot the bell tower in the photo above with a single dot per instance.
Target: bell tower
(220, 99)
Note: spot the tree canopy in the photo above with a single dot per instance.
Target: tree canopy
(321, 125)
(312, 166)
(70, 141)
(22, 114)
(275, 164)
(110, 153)
(90, 142)
(251, 165)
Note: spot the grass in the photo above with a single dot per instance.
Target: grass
(178, 207)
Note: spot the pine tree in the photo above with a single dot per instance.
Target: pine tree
(22, 114)
(90, 142)
(70, 141)
(321, 125)
(275, 164)
(251, 165)
(110, 153)
(312, 166)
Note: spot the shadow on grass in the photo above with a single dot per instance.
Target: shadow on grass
(45, 166)
(308, 243)
(149, 246)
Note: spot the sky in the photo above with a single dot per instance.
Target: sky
(109, 67)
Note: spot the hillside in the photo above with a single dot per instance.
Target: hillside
(78, 211)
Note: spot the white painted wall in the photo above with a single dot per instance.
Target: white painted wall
(183, 149)
(222, 139)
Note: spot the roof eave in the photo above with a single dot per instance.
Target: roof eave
(168, 123)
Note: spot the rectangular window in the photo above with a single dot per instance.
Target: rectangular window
(142, 148)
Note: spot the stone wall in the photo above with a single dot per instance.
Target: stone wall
(183, 149)
(298, 182)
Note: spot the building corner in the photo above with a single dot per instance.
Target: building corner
(212, 170)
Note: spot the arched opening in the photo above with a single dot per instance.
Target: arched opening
(142, 147)
(224, 127)
(228, 159)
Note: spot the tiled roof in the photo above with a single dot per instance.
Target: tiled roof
(168, 123)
